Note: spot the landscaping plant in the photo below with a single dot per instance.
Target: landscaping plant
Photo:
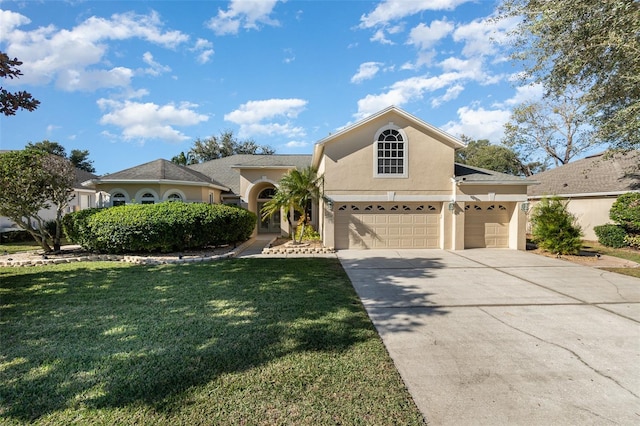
(611, 235)
(554, 229)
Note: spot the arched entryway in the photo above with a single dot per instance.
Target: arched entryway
(269, 225)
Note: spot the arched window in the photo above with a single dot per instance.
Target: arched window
(267, 193)
(147, 198)
(390, 153)
(118, 199)
(174, 197)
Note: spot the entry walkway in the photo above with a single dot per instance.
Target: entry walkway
(255, 246)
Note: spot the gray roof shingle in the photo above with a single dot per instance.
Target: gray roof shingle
(591, 175)
(472, 174)
(225, 170)
(160, 170)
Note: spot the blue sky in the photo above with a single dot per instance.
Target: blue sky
(134, 81)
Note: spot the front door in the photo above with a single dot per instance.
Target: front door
(270, 225)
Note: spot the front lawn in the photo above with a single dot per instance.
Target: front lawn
(246, 341)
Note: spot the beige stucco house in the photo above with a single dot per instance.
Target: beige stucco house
(390, 181)
(590, 186)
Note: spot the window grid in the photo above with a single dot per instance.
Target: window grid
(390, 153)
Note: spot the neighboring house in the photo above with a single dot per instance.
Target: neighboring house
(590, 186)
(81, 198)
(390, 182)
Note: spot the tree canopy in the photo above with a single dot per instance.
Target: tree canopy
(224, 145)
(79, 158)
(33, 180)
(554, 128)
(11, 102)
(484, 154)
(592, 45)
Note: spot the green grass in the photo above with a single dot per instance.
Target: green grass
(246, 341)
(19, 246)
(623, 253)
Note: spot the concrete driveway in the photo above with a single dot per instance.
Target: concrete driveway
(505, 337)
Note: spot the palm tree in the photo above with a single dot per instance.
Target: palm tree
(296, 189)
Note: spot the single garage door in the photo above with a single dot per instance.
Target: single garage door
(387, 225)
(487, 225)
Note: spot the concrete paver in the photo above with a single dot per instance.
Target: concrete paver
(505, 337)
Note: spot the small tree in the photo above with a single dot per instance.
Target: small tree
(625, 211)
(554, 229)
(296, 189)
(32, 180)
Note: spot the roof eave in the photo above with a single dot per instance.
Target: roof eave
(95, 182)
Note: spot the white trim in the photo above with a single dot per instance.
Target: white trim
(93, 182)
(488, 198)
(405, 154)
(341, 198)
(127, 197)
(168, 192)
(245, 198)
(586, 194)
(496, 182)
(143, 191)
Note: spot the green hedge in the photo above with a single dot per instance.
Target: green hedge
(163, 227)
(611, 235)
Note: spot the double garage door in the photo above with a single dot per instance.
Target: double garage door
(417, 225)
(487, 225)
(387, 225)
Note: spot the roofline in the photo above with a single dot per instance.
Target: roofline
(319, 146)
(584, 194)
(238, 166)
(93, 182)
(495, 182)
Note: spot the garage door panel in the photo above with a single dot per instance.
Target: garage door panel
(487, 225)
(387, 225)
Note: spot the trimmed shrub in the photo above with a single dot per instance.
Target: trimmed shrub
(15, 236)
(625, 211)
(610, 235)
(76, 228)
(163, 227)
(633, 241)
(554, 229)
(310, 234)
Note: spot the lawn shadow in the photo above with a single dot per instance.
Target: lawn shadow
(114, 336)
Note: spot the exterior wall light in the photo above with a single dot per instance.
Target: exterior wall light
(330, 204)
(451, 206)
(524, 206)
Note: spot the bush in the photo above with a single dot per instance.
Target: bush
(554, 229)
(625, 211)
(310, 234)
(160, 227)
(611, 235)
(76, 228)
(15, 236)
(633, 241)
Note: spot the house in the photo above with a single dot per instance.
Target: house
(81, 198)
(590, 185)
(390, 181)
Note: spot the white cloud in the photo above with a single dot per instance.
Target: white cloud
(143, 121)
(65, 55)
(452, 93)
(405, 91)
(530, 92)
(204, 49)
(479, 123)
(482, 37)
(425, 37)
(367, 71)
(391, 10)
(380, 37)
(9, 21)
(268, 117)
(296, 144)
(243, 13)
(155, 68)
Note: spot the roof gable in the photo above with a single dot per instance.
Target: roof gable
(389, 112)
(598, 174)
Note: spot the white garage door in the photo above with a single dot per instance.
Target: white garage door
(387, 225)
(487, 225)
